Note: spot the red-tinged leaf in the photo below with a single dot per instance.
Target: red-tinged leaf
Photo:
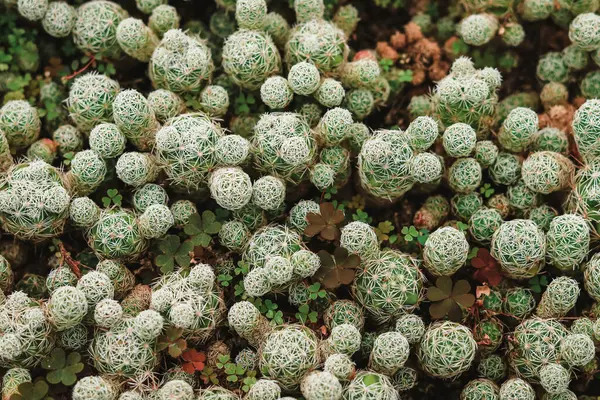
(189, 368)
(327, 210)
(323, 330)
(193, 355)
(313, 230)
(435, 294)
(444, 283)
(478, 263)
(465, 300)
(455, 313)
(346, 276)
(353, 261)
(461, 287)
(330, 232)
(440, 309)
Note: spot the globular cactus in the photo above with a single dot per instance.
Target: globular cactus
(248, 323)
(584, 31)
(277, 27)
(214, 100)
(321, 385)
(309, 9)
(288, 353)
(136, 169)
(459, 140)
(483, 223)
(546, 172)
(185, 149)
(163, 19)
(516, 388)
(555, 378)
(120, 276)
(33, 10)
(67, 307)
(116, 235)
(360, 74)
(341, 366)
(250, 57)
(165, 104)
(34, 201)
(492, 367)
(91, 98)
(478, 29)
(276, 93)
(536, 343)
(330, 93)
(567, 241)
(480, 389)
(20, 124)
(518, 302)
(507, 169)
(383, 164)
(520, 247)
(552, 68)
(136, 39)
(94, 388)
(368, 385)
(231, 187)
(447, 350)
(83, 212)
(146, 6)
(12, 379)
(465, 205)
(68, 139)
(264, 389)
(304, 78)
(558, 299)
(344, 339)
(268, 193)
(382, 300)
(107, 140)
(298, 213)
(43, 149)
(445, 251)
(327, 49)
(390, 352)
(577, 350)
(95, 28)
(584, 129)
(284, 146)
(432, 213)
(108, 313)
(59, 19)
(181, 63)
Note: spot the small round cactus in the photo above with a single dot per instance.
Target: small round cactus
(180, 63)
(359, 238)
(480, 389)
(297, 217)
(445, 251)
(483, 223)
(333, 127)
(344, 312)
(230, 187)
(447, 350)
(322, 176)
(551, 139)
(136, 39)
(390, 352)
(250, 14)
(382, 300)
(67, 307)
(20, 124)
(136, 169)
(577, 350)
(277, 27)
(558, 299)
(240, 59)
(288, 354)
(341, 366)
(268, 193)
(426, 168)
(107, 140)
(214, 100)
(91, 98)
(464, 175)
(120, 276)
(95, 28)
(492, 367)
(422, 132)
(368, 385)
(567, 241)
(264, 389)
(319, 42)
(518, 129)
(330, 93)
(478, 29)
(321, 385)
(59, 19)
(304, 78)
(93, 388)
(519, 302)
(360, 102)
(516, 388)
(146, 6)
(33, 10)
(520, 247)
(584, 129)
(360, 74)
(234, 235)
(555, 378)
(552, 68)
(116, 235)
(459, 140)
(165, 104)
(68, 139)
(108, 313)
(276, 93)
(507, 169)
(584, 31)
(163, 19)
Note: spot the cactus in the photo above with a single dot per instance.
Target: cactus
(506, 170)
(555, 378)
(67, 307)
(165, 104)
(264, 389)
(344, 339)
(483, 223)
(276, 93)
(136, 39)
(552, 68)
(180, 63)
(584, 31)
(288, 353)
(59, 19)
(94, 388)
(108, 313)
(304, 78)
(214, 100)
(480, 389)
(268, 193)
(250, 14)
(20, 124)
(390, 352)
(447, 350)
(459, 140)
(516, 388)
(330, 93)
(344, 312)
(327, 49)
(163, 19)
(567, 241)
(551, 139)
(120, 276)
(321, 385)
(284, 146)
(375, 290)
(230, 187)
(240, 59)
(91, 98)
(478, 29)
(520, 247)
(445, 251)
(492, 367)
(95, 28)
(277, 27)
(558, 299)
